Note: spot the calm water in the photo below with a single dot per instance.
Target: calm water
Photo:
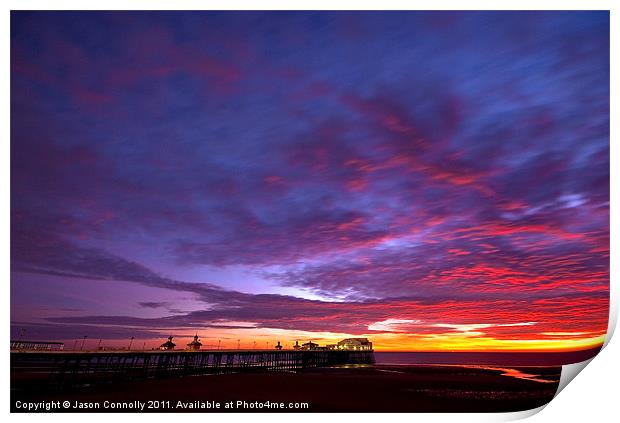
(485, 358)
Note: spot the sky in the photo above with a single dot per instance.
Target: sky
(429, 180)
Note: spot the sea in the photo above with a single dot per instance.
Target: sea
(485, 358)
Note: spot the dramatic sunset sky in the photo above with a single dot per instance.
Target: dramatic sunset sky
(432, 181)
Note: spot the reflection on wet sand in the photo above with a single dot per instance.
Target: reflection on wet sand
(515, 373)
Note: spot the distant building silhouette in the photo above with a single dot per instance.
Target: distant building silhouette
(168, 345)
(296, 346)
(279, 346)
(195, 344)
(37, 345)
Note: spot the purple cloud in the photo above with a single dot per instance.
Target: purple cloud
(360, 166)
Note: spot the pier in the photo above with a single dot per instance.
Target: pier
(78, 368)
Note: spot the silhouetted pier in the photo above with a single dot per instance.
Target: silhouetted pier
(82, 368)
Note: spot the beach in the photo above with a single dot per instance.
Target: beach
(378, 388)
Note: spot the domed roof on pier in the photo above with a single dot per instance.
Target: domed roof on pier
(195, 344)
(168, 345)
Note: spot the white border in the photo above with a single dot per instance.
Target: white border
(591, 398)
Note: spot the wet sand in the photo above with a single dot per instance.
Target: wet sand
(379, 388)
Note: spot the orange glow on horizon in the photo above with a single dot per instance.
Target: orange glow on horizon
(263, 338)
